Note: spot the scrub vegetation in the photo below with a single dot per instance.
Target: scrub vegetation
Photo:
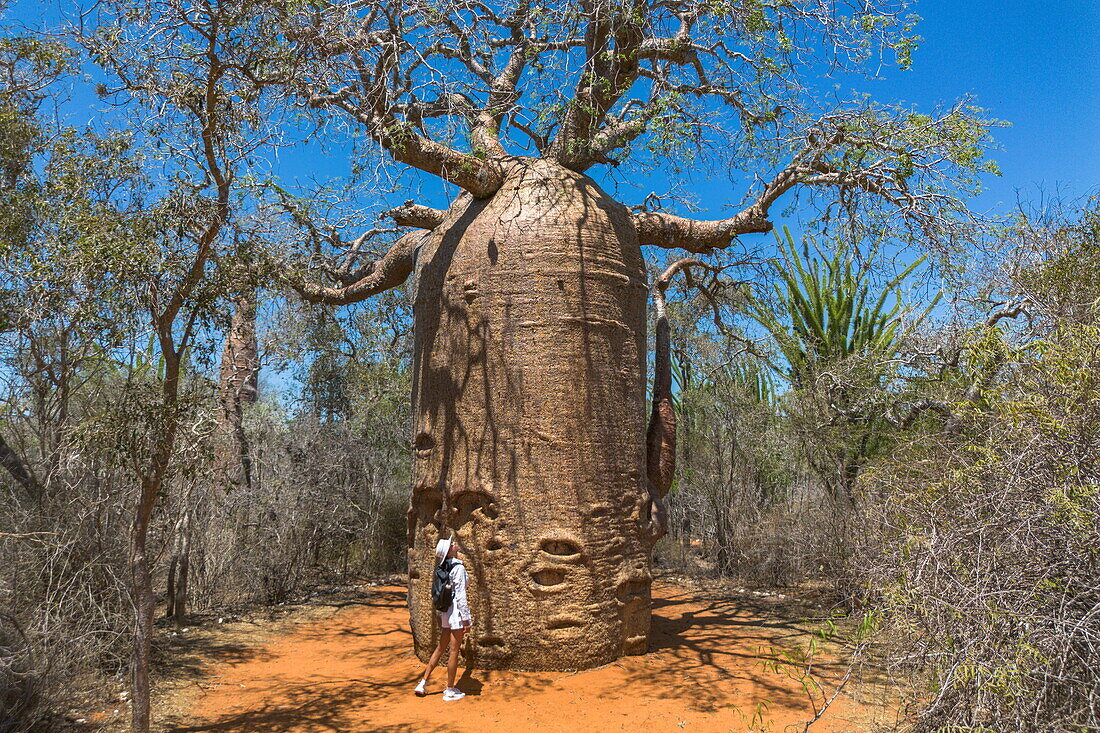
(206, 364)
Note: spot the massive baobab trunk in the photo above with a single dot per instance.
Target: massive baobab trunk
(529, 435)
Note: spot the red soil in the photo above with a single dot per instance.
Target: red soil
(354, 671)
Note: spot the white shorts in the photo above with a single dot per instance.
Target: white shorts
(450, 619)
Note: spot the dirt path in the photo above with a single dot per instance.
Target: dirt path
(353, 670)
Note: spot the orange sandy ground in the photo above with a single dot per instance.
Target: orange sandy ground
(354, 671)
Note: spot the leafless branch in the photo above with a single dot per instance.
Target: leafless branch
(388, 272)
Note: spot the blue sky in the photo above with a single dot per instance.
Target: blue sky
(1033, 64)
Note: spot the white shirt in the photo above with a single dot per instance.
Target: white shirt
(459, 611)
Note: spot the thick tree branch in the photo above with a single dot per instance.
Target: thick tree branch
(830, 157)
(480, 177)
(415, 215)
(669, 231)
(659, 229)
(623, 130)
(370, 102)
(612, 54)
(390, 271)
(503, 89)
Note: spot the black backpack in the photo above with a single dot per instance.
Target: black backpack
(443, 592)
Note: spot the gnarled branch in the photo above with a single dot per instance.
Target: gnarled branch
(388, 272)
(659, 229)
(612, 54)
(371, 103)
(667, 230)
(409, 214)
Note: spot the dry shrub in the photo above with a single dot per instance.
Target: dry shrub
(321, 507)
(327, 503)
(985, 554)
(751, 499)
(781, 542)
(64, 603)
(18, 683)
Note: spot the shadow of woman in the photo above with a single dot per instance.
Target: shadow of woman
(469, 684)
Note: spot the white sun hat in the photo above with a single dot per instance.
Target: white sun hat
(442, 548)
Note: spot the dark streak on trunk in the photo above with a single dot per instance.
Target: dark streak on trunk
(14, 464)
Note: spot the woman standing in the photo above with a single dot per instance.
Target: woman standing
(454, 621)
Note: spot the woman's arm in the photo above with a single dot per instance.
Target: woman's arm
(458, 582)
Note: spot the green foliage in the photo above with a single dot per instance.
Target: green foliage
(989, 558)
(28, 66)
(748, 377)
(984, 558)
(1063, 272)
(837, 335)
(826, 311)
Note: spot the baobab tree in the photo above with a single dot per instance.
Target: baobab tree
(529, 290)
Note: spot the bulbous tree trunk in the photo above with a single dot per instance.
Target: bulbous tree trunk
(530, 433)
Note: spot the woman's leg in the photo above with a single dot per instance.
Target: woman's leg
(444, 638)
(452, 666)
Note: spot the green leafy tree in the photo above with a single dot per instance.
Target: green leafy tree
(837, 335)
(28, 68)
(191, 76)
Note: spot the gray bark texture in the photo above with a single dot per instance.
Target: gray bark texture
(237, 388)
(529, 422)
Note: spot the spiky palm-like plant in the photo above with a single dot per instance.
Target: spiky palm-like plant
(828, 314)
(826, 311)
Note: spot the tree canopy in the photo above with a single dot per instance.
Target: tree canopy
(457, 88)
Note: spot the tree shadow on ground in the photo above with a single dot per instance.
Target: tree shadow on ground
(709, 652)
(716, 647)
(310, 707)
(190, 657)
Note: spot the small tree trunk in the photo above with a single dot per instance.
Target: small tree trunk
(141, 577)
(173, 566)
(237, 388)
(686, 420)
(170, 606)
(144, 607)
(723, 555)
(179, 609)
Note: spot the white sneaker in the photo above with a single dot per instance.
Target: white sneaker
(420, 691)
(453, 693)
